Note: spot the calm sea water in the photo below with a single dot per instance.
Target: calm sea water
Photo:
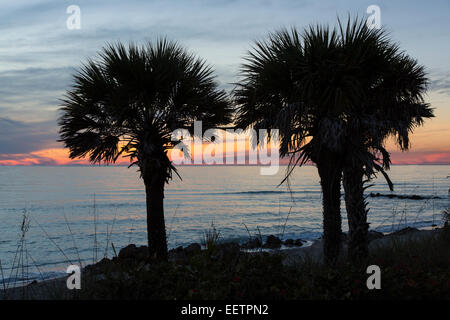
(233, 198)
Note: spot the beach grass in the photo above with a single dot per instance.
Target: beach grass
(412, 267)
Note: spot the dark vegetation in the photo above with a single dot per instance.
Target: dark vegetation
(411, 269)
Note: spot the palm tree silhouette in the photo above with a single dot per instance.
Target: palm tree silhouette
(335, 95)
(389, 92)
(288, 84)
(128, 103)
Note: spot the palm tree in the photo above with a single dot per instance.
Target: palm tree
(335, 95)
(390, 89)
(292, 82)
(128, 102)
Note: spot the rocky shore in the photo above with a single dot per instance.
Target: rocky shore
(292, 250)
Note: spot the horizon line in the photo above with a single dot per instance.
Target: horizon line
(199, 165)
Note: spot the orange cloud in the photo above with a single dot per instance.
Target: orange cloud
(60, 156)
(424, 157)
(55, 156)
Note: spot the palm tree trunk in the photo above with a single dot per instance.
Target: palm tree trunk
(330, 179)
(156, 228)
(355, 204)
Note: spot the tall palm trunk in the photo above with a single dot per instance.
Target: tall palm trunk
(330, 179)
(355, 204)
(156, 228)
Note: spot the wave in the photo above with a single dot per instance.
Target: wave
(387, 228)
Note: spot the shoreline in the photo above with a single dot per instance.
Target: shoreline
(55, 288)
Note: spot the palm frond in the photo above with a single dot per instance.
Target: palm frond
(128, 100)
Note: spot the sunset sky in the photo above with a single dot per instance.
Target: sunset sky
(38, 55)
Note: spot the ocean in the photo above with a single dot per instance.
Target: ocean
(77, 214)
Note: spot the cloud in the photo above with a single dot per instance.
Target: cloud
(17, 137)
(418, 157)
(33, 80)
(40, 54)
(32, 93)
(440, 83)
(26, 160)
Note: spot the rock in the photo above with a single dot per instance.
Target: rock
(127, 252)
(407, 230)
(178, 249)
(133, 253)
(104, 265)
(32, 283)
(293, 243)
(252, 244)
(289, 242)
(373, 235)
(272, 242)
(400, 196)
(193, 248)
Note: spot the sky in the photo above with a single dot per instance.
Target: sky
(39, 54)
